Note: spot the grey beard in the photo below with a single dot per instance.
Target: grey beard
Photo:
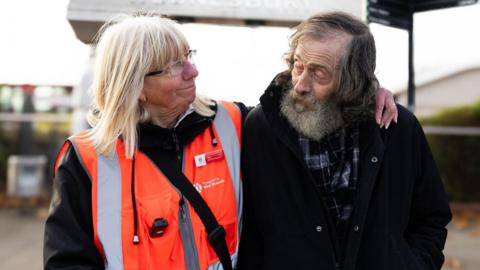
(313, 121)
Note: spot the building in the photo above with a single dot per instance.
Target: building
(445, 90)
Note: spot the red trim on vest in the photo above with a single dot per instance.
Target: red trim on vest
(60, 157)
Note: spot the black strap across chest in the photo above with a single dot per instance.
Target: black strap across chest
(216, 232)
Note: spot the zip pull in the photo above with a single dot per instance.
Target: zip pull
(136, 240)
(212, 134)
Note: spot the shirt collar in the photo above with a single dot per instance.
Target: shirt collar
(185, 114)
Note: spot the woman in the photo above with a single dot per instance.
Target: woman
(120, 198)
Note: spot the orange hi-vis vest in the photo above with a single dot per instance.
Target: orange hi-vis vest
(213, 170)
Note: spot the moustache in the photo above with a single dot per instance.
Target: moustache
(304, 102)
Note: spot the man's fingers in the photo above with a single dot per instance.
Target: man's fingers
(380, 104)
(386, 109)
(396, 115)
(386, 118)
(390, 113)
(393, 108)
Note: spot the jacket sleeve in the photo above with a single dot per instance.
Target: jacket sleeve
(244, 110)
(68, 239)
(430, 213)
(251, 241)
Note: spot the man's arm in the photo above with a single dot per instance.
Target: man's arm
(68, 241)
(251, 241)
(430, 213)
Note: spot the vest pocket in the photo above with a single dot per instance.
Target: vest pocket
(160, 251)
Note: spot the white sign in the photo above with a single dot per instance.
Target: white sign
(90, 14)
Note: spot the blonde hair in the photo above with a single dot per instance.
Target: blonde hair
(128, 47)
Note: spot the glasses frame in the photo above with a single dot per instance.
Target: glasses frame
(167, 71)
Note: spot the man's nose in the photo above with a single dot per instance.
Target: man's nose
(189, 71)
(302, 84)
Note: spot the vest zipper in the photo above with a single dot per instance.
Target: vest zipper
(188, 240)
(186, 227)
(177, 144)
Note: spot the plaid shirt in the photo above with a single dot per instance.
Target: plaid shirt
(334, 164)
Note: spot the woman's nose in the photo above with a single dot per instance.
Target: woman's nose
(189, 71)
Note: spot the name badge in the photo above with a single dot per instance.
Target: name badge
(204, 159)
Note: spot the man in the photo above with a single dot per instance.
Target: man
(324, 187)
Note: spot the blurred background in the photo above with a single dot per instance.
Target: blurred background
(45, 73)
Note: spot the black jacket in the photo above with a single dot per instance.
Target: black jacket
(400, 209)
(68, 241)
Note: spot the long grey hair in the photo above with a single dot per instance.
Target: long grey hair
(356, 81)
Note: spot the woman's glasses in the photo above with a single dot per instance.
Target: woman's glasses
(175, 68)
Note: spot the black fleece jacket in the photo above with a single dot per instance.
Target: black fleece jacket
(400, 209)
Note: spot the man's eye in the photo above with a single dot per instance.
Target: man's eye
(297, 72)
(298, 67)
(321, 75)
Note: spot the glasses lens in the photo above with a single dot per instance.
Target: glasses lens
(191, 56)
(176, 68)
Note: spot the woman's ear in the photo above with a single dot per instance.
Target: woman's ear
(143, 98)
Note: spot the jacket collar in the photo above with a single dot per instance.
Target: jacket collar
(270, 101)
(188, 127)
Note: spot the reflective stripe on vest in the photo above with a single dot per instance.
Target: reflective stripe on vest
(112, 209)
(109, 213)
(231, 147)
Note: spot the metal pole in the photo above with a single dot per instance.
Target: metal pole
(26, 132)
(411, 67)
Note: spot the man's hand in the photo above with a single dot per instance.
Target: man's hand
(386, 110)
